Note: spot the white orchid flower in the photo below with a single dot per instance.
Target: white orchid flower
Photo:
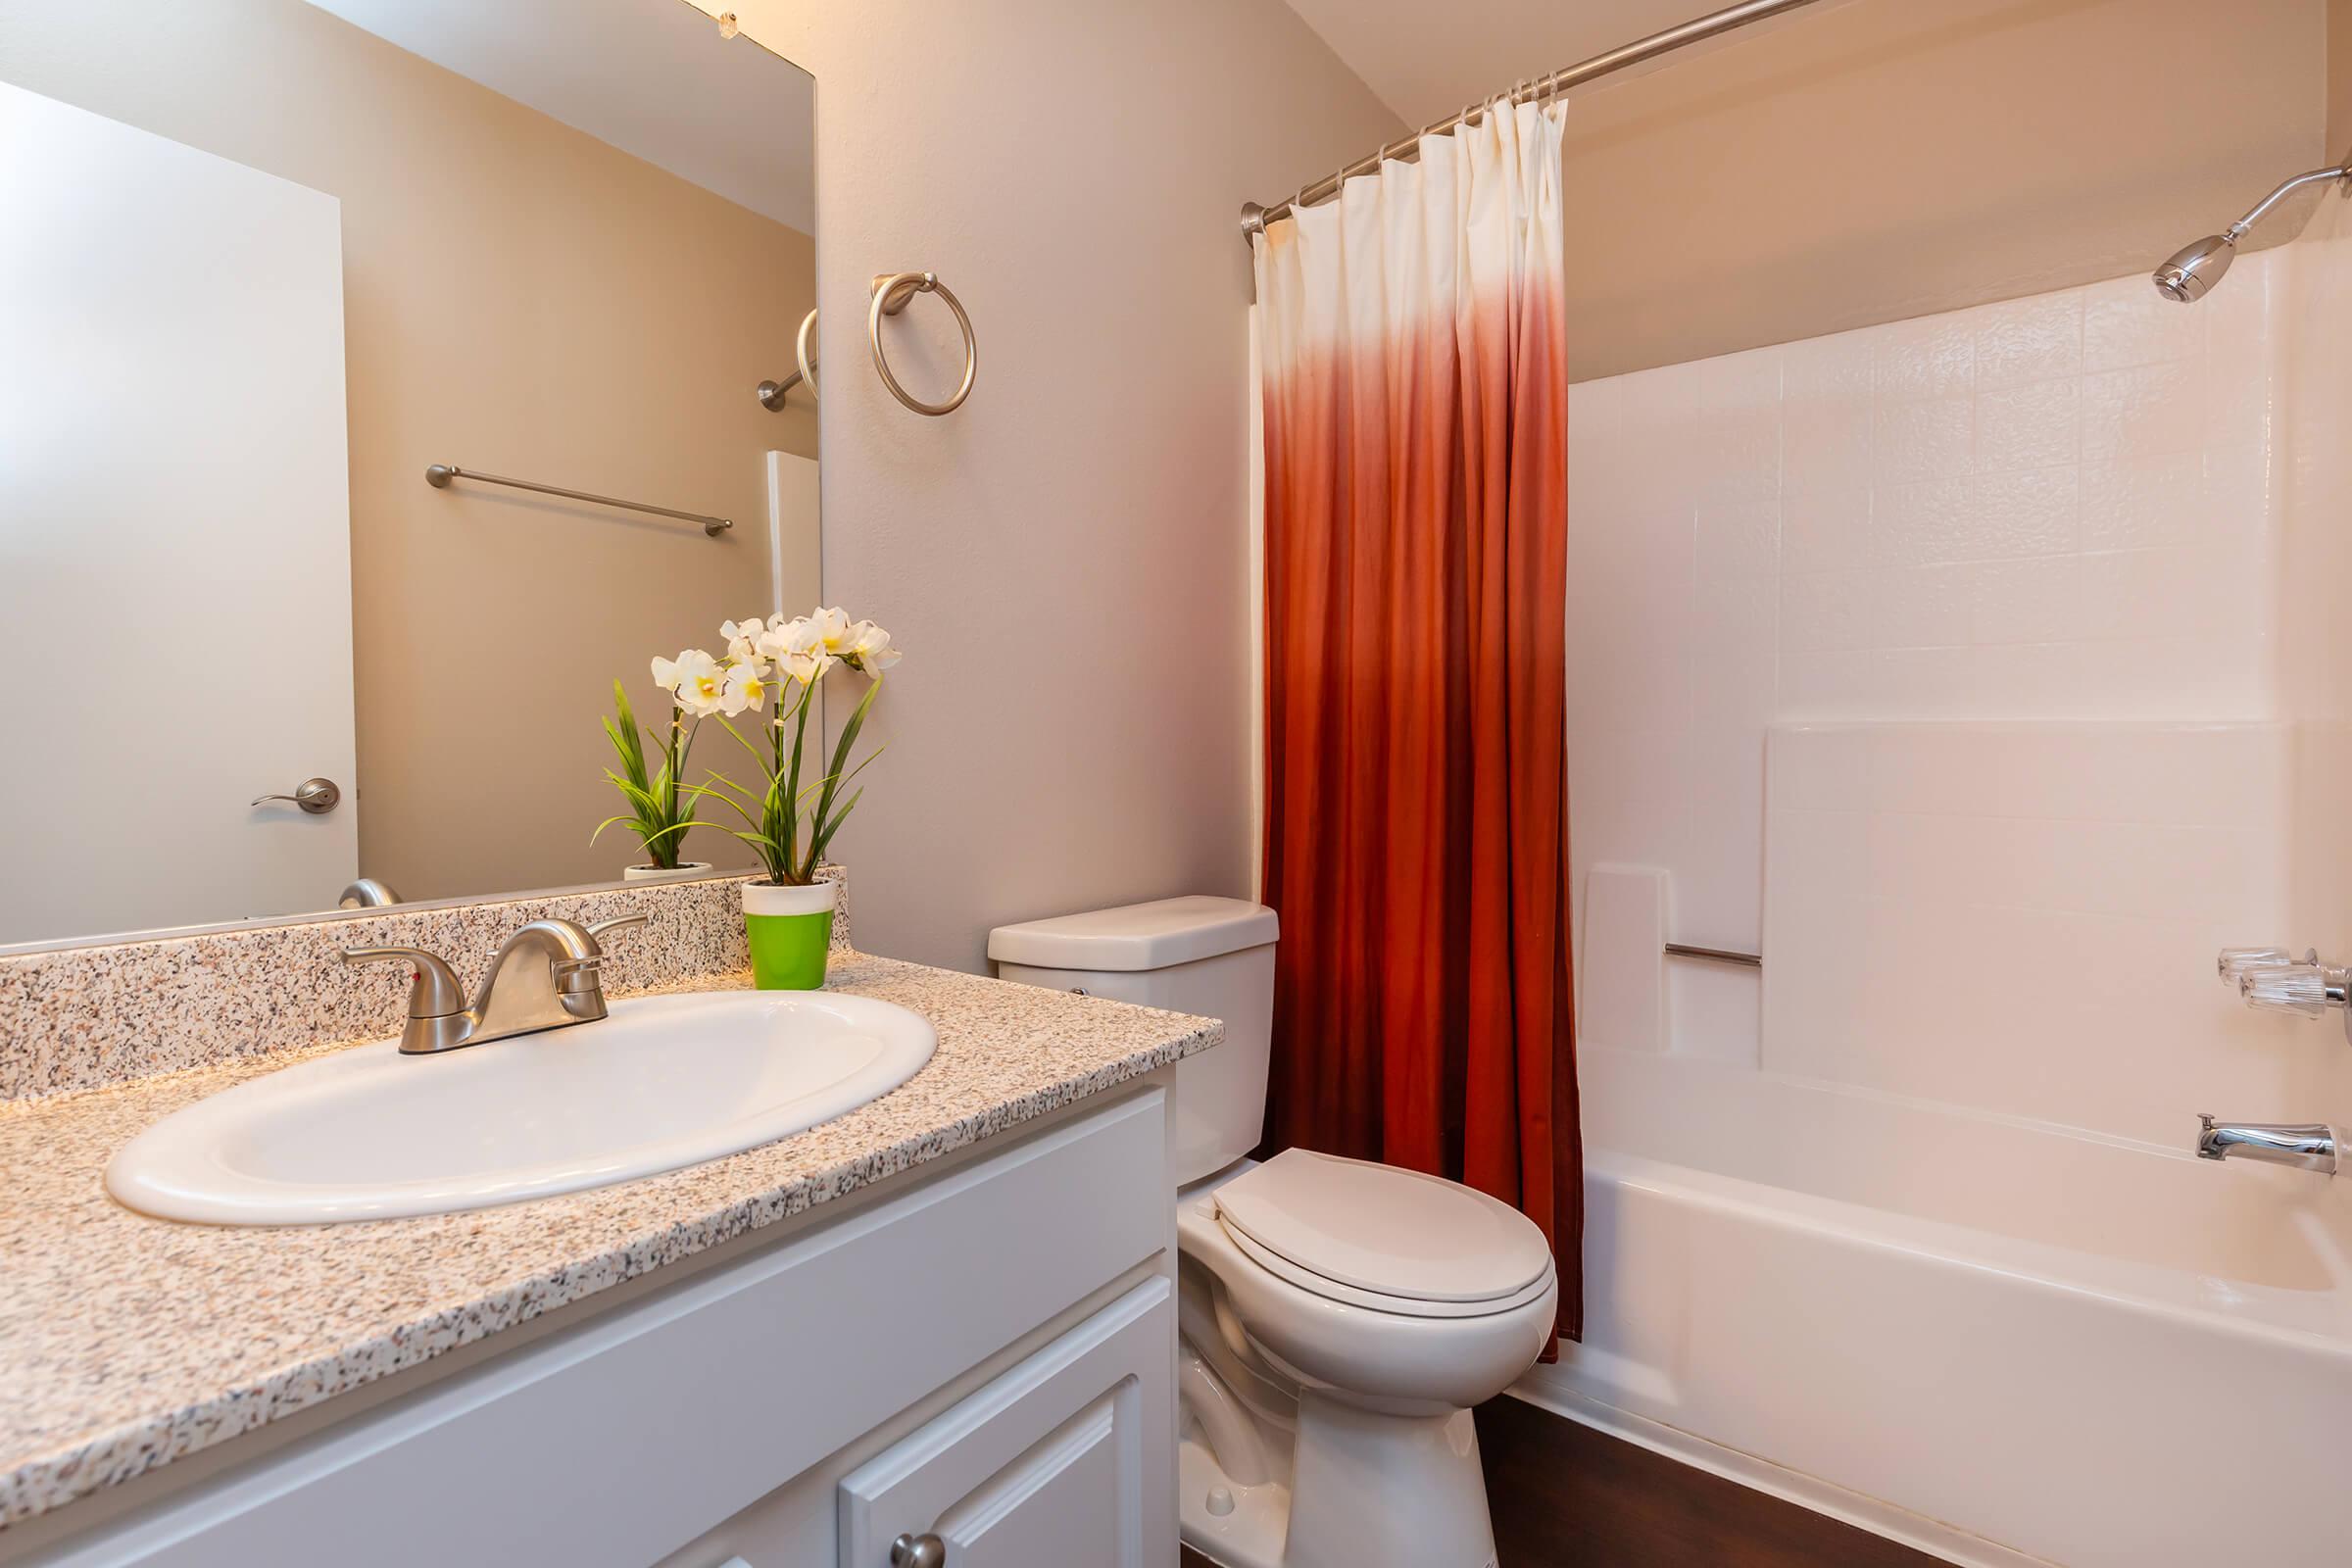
(798, 649)
(747, 686)
(743, 636)
(783, 638)
(833, 630)
(869, 649)
(693, 679)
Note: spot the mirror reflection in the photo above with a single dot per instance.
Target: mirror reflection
(266, 266)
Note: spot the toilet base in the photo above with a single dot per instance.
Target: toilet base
(1368, 1491)
(1375, 1491)
(1231, 1525)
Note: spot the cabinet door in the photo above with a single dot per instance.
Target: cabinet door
(1067, 1458)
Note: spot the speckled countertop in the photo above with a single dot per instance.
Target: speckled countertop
(126, 1341)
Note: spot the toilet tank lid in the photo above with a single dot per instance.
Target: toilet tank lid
(1136, 936)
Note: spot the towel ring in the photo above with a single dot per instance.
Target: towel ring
(891, 293)
(800, 351)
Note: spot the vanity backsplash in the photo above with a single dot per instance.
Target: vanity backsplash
(89, 1017)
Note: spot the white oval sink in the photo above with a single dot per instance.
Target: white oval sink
(666, 1081)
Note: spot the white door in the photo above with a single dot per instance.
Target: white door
(1068, 1458)
(174, 532)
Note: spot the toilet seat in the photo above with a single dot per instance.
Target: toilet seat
(1384, 1238)
(1331, 1290)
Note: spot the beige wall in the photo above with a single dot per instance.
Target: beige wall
(519, 298)
(1069, 547)
(1064, 557)
(1888, 157)
(2339, 78)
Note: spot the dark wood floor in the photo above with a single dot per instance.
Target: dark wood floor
(1567, 1497)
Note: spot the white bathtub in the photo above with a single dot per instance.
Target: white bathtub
(2086, 1351)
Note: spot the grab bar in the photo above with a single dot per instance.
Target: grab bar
(440, 474)
(1677, 950)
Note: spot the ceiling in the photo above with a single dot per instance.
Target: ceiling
(689, 97)
(1424, 61)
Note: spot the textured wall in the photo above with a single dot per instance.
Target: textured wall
(2339, 78)
(2316, 632)
(2029, 556)
(1064, 558)
(1870, 162)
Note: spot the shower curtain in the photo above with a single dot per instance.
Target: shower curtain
(1414, 398)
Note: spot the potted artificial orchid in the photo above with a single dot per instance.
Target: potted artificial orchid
(660, 810)
(797, 802)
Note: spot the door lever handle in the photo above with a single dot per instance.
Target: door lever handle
(316, 795)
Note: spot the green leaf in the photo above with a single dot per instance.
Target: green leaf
(824, 840)
(656, 815)
(791, 802)
(841, 756)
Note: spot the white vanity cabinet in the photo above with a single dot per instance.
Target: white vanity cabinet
(983, 1352)
(1054, 1461)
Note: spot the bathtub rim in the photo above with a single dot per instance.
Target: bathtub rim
(2307, 1320)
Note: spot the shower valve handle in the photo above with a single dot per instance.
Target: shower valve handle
(2236, 963)
(2309, 989)
(2274, 980)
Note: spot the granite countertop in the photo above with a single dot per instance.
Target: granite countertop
(127, 1342)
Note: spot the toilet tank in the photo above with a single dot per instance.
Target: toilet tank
(1204, 955)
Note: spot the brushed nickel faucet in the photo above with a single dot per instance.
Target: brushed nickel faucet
(546, 976)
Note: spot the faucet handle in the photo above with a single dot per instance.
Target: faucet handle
(617, 923)
(2308, 988)
(583, 976)
(434, 991)
(2235, 963)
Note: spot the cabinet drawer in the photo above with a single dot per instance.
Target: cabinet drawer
(633, 1433)
(1067, 1458)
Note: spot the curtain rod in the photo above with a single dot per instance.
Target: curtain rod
(1254, 218)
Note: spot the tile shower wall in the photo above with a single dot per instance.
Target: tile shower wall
(2316, 636)
(2060, 509)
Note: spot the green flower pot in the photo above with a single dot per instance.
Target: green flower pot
(791, 931)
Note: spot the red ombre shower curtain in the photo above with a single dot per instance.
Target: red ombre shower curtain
(1414, 392)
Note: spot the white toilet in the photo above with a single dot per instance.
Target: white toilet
(1338, 1318)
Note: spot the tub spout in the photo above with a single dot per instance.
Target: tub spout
(2309, 1146)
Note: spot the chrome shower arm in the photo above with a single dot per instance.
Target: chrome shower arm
(2238, 231)
(2189, 273)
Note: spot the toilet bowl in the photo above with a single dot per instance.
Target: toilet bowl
(1379, 1316)
(1338, 1318)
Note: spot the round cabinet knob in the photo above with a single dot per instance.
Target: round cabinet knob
(925, 1550)
(316, 795)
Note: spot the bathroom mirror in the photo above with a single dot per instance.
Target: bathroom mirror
(268, 269)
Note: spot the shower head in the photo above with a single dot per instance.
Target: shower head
(2192, 269)
(2189, 272)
